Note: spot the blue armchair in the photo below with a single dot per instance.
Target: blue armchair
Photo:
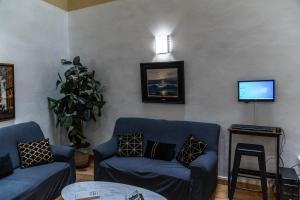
(170, 179)
(39, 182)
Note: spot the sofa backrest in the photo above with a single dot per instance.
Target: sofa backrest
(174, 132)
(11, 135)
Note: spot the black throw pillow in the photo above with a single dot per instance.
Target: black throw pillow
(190, 151)
(131, 145)
(35, 153)
(6, 167)
(160, 151)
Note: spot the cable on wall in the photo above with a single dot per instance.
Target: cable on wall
(254, 113)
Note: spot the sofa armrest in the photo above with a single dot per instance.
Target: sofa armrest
(65, 154)
(204, 164)
(102, 152)
(62, 153)
(105, 150)
(204, 174)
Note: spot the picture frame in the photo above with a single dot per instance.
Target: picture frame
(7, 92)
(163, 82)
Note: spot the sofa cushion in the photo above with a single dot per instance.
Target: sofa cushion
(35, 153)
(25, 182)
(14, 189)
(131, 145)
(191, 149)
(6, 167)
(160, 151)
(147, 167)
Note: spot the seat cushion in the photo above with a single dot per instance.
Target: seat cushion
(168, 178)
(147, 167)
(14, 189)
(24, 183)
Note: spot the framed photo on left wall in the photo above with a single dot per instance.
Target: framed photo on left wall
(7, 92)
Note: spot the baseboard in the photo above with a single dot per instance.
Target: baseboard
(222, 178)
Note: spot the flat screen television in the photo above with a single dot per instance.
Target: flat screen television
(256, 90)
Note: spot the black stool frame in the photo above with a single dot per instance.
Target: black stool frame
(258, 152)
(254, 172)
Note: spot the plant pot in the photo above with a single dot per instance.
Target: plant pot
(82, 158)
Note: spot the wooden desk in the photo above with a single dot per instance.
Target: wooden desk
(275, 134)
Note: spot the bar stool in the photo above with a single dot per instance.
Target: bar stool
(258, 151)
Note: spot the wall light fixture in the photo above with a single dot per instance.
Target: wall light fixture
(162, 44)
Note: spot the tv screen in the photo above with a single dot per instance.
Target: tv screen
(258, 90)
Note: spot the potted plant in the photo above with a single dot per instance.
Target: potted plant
(81, 102)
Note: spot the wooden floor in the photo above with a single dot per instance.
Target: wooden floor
(220, 194)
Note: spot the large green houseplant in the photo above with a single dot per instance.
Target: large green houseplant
(82, 101)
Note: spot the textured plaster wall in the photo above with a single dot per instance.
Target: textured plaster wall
(33, 36)
(221, 41)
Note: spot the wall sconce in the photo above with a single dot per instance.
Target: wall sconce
(162, 44)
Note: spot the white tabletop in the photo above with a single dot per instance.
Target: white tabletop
(108, 190)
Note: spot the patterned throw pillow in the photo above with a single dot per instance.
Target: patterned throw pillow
(35, 153)
(191, 149)
(131, 145)
(160, 151)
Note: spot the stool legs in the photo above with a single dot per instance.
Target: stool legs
(263, 178)
(236, 165)
(260, 154)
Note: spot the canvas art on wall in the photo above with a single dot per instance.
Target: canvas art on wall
(7, 93)
(163, 82)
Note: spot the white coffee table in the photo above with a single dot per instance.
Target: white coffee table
(108, 190)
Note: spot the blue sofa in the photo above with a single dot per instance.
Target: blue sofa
(170, 179)
(43, 182)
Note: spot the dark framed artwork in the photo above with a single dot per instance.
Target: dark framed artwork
(163, 82)
(7, 92)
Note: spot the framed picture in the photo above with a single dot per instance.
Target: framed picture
(163, 82)
(7, 92)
